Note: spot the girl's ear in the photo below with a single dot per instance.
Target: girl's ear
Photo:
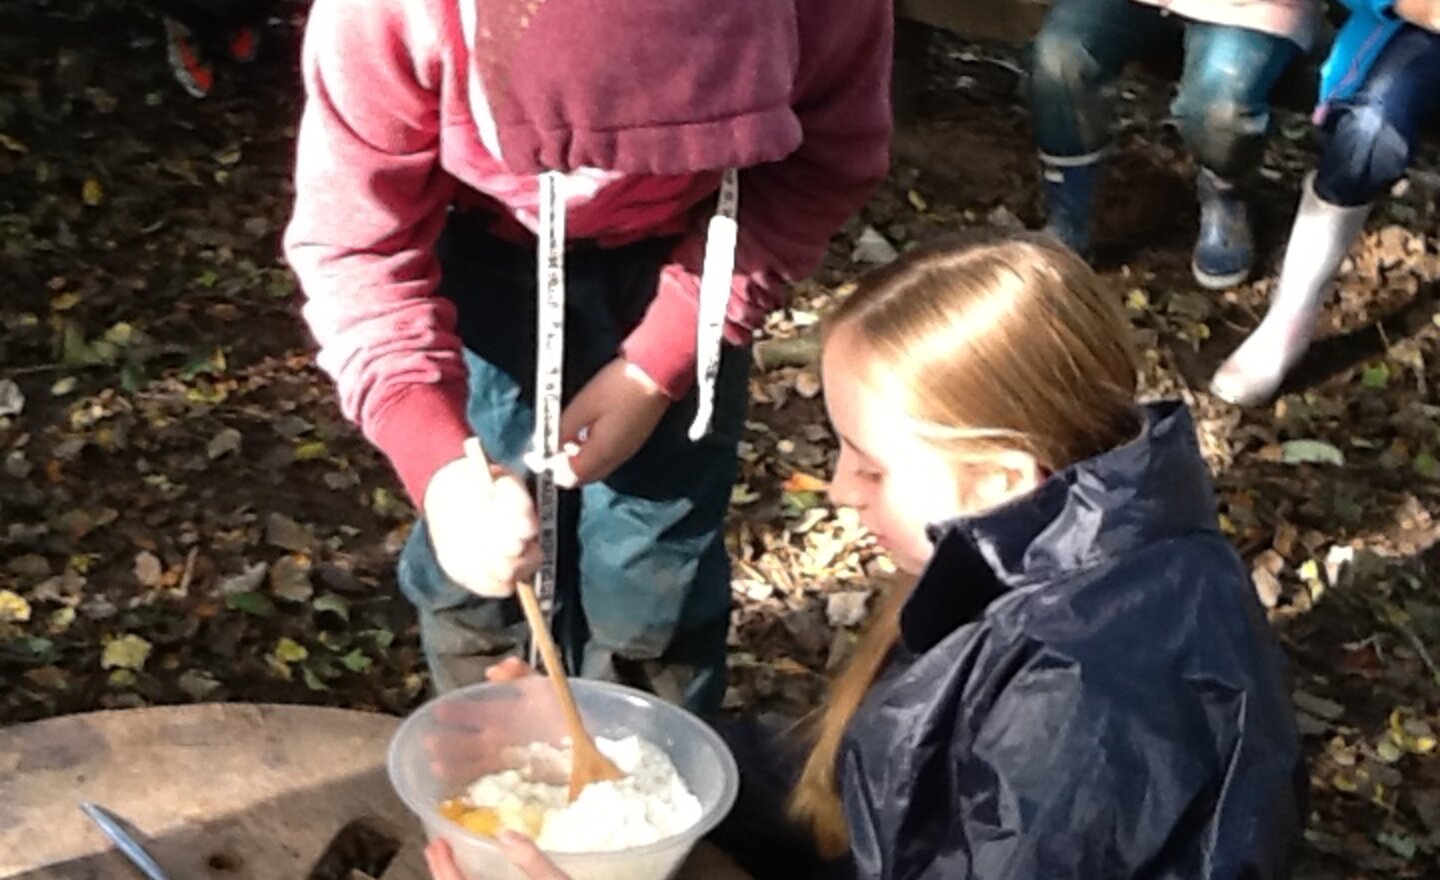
(1009, 475)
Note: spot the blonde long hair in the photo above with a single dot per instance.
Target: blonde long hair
(998, 345)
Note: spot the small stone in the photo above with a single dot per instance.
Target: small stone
(69, 448)
(12, 399)
(17, 466)
(224, 443)
(149, 570)
(283, 532)
(848, 608)
(340, 580)
(291, 426)
(67, 588)
(757, 591)
(99, 608)
(1310, 725)
(290, 579)
(807, 384)
(198, 684)
(872, 248)
(1267, 587)
(51, 678)
(31, 565)
(1002, 217)
(246, 581)
(1320, 707)
(842, 644)
(339, 481)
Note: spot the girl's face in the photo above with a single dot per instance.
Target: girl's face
(898, 482)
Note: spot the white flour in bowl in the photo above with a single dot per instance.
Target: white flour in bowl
(648, 804)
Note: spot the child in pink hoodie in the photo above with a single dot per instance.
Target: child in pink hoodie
(432, 133)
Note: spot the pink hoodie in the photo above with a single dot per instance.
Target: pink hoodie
(415, 105)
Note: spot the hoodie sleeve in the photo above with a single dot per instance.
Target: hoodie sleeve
(788, 209)
(1063, 781)
(370, 201)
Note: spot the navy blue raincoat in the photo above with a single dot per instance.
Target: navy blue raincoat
(1086, 688)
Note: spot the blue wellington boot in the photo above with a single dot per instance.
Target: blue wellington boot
(1224, 248)
(1069, 196)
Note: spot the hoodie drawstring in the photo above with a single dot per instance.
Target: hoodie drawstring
(714, 298)
(549, 378)
(715, 279)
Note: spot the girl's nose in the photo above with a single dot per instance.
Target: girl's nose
(844, 484)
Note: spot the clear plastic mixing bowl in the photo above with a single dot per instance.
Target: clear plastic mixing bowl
(458, 737)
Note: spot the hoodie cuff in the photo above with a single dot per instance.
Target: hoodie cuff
(663, 345)
(421, 430)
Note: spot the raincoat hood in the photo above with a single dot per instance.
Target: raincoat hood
(1151, 489)
(1085, 687)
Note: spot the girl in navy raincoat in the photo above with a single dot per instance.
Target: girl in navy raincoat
(1079, 681)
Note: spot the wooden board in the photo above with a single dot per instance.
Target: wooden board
(214, 791)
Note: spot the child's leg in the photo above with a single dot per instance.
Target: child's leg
(493, 285)
(654, 571)
(1223, 108)
(1371, 139)
(1082, 45)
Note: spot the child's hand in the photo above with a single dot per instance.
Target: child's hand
(519, 849)
(1421, 13)
(442, 861)
(615, 413)
(471, 737)
(509, 669)
(483, 526)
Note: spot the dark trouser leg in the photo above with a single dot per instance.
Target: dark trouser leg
(1081, 47)
(653, 564)
(1223, 105)
(1372, 135)
(1223, 108)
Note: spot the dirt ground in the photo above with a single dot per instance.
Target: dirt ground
(184, 515)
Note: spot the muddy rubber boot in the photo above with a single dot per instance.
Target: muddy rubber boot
(1224, 248)
(1319, 241)
(1069, 198)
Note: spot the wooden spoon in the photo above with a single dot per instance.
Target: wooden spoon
(587, 763)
